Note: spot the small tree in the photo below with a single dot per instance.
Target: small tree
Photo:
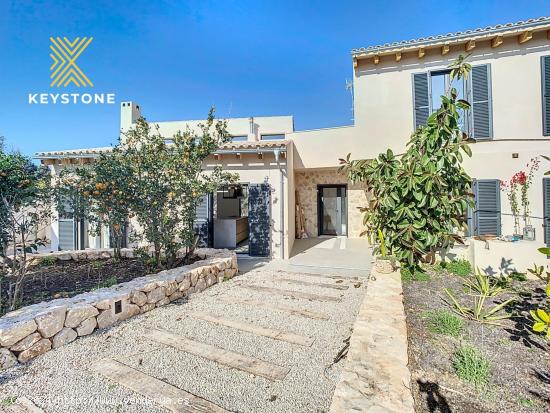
(99, 194)
(420, 198)
(166, 182)
(25, 207)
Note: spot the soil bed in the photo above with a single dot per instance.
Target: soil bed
(69, 278)
(519, 379)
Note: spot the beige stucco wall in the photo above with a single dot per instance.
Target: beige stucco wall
(306, 195)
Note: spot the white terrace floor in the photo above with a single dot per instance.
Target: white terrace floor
(262, 342)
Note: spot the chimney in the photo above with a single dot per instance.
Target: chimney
(129, 114)
(252, 137)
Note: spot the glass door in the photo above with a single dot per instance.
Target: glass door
(332, 209)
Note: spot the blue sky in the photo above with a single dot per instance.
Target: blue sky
(177, 58)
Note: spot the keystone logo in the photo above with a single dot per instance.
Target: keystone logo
(65, 73)
(64, 68)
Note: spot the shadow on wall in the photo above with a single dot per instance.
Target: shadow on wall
(506, 267)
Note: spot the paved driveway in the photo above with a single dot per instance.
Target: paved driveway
(264, 341)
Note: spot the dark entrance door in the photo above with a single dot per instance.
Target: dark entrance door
(259, 220)
(332, 209)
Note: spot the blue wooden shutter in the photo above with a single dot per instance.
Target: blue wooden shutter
(546, 213)
(259, 220)
(421, 96)
(482, 116)
(545, 95)
(203, 221)
(487, 213)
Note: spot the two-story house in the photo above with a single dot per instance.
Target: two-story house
(290, 185)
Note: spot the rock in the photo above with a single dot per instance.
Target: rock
(138, 298)
(105, 318)
(176, 296)
(164, 301)
(12, 332)
(171, 288)
(194, 277)
(51, 321)
(104, 255)
(156, 295)
(64, 256)
(26, 343)
(7, 359)
(211, 280)
(38, 348)
(103, 304)
(129, 310)
(77, 315)
(65, 336)
(148, 287)
(185, 284)
(201, 286)
(92, 255)
(147, 307)
(190, 291)
(182, 275)
(86, 327)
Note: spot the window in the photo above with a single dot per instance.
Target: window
(240, 138)
(485, 219)
(428, 88)
(273, 137)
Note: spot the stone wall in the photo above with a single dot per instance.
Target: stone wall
(38, 328)
(306, 195)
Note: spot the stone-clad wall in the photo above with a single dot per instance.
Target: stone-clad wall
(306, 194)
(38, 328)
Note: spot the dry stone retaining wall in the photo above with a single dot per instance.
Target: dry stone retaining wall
(38, 328)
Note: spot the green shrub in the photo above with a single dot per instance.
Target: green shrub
(462, 268)
(109, 282)
(471, 365)
(446, 323)
(408, 275)
(49, 260)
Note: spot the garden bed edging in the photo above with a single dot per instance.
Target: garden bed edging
(33, 330)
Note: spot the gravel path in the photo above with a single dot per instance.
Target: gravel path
(64, 381)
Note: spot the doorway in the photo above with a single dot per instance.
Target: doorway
(332, 210)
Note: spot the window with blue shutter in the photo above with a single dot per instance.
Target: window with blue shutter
(486, 217)
(546, 209)
(545, 76)
(480, 99)
(421, 96)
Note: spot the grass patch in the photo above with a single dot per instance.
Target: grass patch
(109, 282)
(49, 260)
(445, 322)
(407, 275)
(471, 365)
(462, 268)
(526, 402)
(8, 401)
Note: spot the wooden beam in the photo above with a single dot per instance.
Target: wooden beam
(291, 293)
(548, 34)
(238, 155)
(398, 57)
(421, 52)
(470, 45)
(376, 59)
(260, 155)
(315, 284)
(217, 157)
(219, 355)
(354, 62)
(445, 49)
(276, 307)
(281, 335)
(158, 391)
(497, 41)
(525, 36)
